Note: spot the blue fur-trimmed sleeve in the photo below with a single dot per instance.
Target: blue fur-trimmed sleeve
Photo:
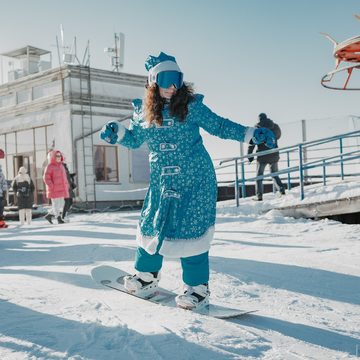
(134, 137)
(215, 124)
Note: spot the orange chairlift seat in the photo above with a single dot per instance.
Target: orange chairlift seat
(345, 51)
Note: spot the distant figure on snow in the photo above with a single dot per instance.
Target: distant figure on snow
(269, 159)
(24, 188)
(57, 186)
(72, 187)
(3, 189)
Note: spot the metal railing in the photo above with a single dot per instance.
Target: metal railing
(295, 154)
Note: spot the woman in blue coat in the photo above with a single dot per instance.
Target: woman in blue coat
(178, 215)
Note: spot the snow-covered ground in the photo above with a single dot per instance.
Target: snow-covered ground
(302, 276)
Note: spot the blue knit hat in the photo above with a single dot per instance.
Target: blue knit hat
(152, 61)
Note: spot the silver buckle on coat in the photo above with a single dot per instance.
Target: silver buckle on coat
(170, 170)
(168, 147)
(171, 193)
(167, 123)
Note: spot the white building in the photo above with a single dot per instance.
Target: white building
(64, 108)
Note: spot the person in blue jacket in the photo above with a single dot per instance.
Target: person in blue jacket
(179, 210)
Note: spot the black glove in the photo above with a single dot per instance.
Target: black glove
(251, 159)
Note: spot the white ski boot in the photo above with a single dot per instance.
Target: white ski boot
(142, 283)
(194, 297)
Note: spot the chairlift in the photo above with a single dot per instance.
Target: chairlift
(345, 51)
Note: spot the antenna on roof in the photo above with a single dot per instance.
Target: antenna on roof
(116, 53)
(62, 36)
(67, 55)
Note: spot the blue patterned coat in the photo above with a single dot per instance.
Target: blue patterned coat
(178, 214)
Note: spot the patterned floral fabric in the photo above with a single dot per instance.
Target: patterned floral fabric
(178, 214)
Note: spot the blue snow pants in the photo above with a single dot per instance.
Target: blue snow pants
(195, 268)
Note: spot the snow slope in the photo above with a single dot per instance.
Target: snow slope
(302, 276)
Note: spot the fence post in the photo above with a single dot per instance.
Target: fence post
(301, 174)
(341, 159)
(236, 183)
(288, 165)
(324, 172)
(243, 186)
(304, 139)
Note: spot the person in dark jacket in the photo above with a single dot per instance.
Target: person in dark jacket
(269, 159)
(72, 187)
(3, 189)
(24, 188)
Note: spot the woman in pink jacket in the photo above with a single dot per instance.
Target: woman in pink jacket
(57, 187)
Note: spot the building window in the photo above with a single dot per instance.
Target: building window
(139, 165)
(23, 96)
(25, 141)
(106, 163)
(28, 148)
(50, 138)
(8, 100)
(51, 89)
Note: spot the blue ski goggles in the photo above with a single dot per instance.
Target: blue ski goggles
(165, 79)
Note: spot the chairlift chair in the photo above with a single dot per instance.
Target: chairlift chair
(345, 51)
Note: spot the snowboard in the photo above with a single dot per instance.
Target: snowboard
(113, 278)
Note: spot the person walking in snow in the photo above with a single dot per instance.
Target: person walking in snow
(72, 187)
(57, 186)
(269, 159)
(24, 188)
(3, 189)
(178, 215)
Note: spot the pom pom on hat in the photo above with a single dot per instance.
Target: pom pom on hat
(152, 61)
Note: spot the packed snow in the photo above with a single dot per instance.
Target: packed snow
(302, 277)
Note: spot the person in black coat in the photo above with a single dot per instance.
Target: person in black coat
(72, 187)
(269, 159)
(3, 189)
(24, 188)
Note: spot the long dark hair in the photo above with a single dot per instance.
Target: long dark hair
(178, 107)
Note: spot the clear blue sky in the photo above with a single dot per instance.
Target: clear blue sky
(245, 56)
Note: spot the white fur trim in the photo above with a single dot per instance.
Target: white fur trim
(176, 248)
(163, 66)
(121, 132)
(249, 133)
(146, 242)
(22, 177)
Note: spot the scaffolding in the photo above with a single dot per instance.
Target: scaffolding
(83, 144)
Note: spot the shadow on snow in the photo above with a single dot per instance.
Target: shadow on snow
(19, 253)
(312, 335)
(313, 282)
(40, 335)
